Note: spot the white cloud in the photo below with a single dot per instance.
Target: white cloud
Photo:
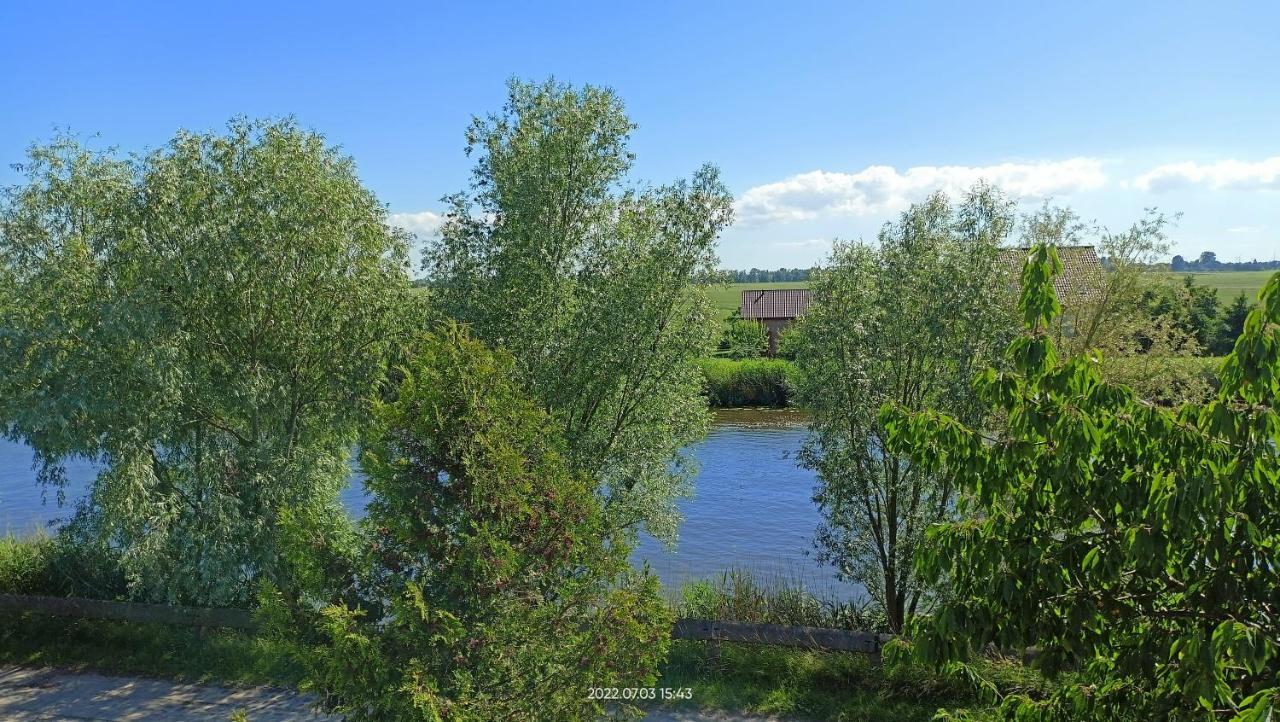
(423, 223)
(807, 243)
(1222, 175)
(1246, 229)
(880, 188)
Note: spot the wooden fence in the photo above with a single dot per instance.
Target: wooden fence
(842, 640)
(128, 611)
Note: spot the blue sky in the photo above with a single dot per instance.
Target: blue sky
(825, 118)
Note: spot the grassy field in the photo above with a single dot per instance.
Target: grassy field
(729, 298)
(1230, 283)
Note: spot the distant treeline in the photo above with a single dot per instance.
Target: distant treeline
(757, 275)
(1208, 261)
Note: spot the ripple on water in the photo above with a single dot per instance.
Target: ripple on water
(752, 507)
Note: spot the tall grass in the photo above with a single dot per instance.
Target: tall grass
(738, 595)
(46, 565)
(748, 382)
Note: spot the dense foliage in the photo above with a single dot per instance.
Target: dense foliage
(744, 338)
(596, 288)
(908, 320)
(486, 584)
(757, 275)
(1143, 322)
(1132, 544)
(1208, 261)
(749, 382)
(1199, 314)
(207, 322)
(53, 566)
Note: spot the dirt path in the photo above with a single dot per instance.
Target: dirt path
(51, 695)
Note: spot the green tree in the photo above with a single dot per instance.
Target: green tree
(1134, 315)
(908, 320)
(208, 322)
(486, 583)
(597, 289)
(744, 338)
(1205, 314)
(1233, 318)
(1131, 544)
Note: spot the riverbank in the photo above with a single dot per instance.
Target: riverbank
(748, 382)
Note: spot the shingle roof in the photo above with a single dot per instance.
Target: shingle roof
(1081, 275)
(775, 302)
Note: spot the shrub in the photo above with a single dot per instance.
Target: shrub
(1165, 380)
(748, 382)
(1127, 541)
(743, 339)
(53, 566)
(486, 583)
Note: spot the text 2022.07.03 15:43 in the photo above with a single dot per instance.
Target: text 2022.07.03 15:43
(640, 693)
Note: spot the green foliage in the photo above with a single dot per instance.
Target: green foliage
(750, 382)
(208, 322)
(743, 339)
(906, 320)
(486, 584)
(738, 595)
(1233, 318)
(596, 288)
(1165, 380)
(54, 566)
(1131, 542)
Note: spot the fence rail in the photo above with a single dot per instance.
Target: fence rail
(711, 630)
(128, 611)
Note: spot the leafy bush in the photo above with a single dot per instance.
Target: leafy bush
(744, 339)
(486, 583)
(1127, 541)
(748, 382)
(52, 566)
(1165, 380)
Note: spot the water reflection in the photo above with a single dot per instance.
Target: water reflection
(752, 507)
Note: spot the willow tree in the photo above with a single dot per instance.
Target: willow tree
(595, 286)
(908, 320)
(207, 322)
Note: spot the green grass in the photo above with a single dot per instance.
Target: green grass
(836, 686)
(150, 650)
(1230, 284)
(759, 679)
(728, 299)
(738, 677)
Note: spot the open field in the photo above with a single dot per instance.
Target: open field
(1229, 284)
(728, 298)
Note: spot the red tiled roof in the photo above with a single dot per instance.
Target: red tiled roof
(1081, 275)
(775, 302)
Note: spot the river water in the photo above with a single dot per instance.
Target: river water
(751, 508)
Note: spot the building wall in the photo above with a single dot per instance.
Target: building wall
(774, 327)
